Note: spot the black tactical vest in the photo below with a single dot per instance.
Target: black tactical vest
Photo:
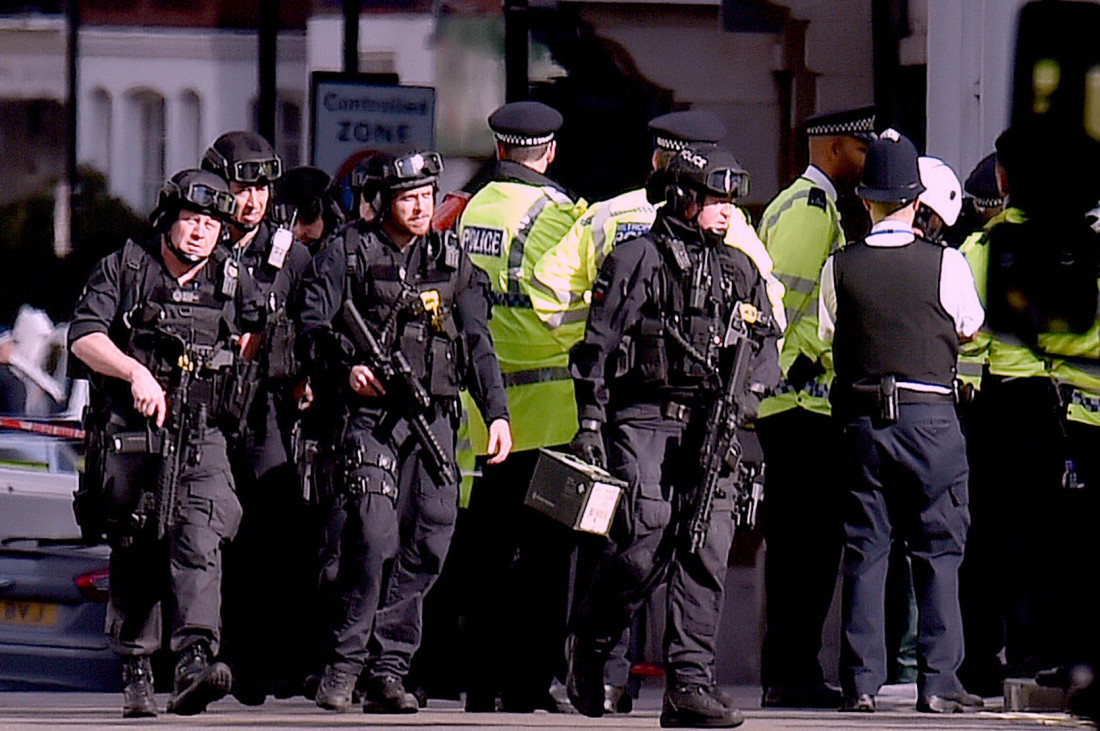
(170, 327)
(407, 299)
(890, 320)
(267, 258)
(678, 341)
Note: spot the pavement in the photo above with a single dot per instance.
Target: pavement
(49, 710)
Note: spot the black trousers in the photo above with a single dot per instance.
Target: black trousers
(384, 548)
(907, 480)
(520, 603)
(804, 535)
(182, 573)
(647, 545)
(1019, 450)
(271, 568)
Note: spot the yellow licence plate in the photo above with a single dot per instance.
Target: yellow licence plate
(29, 614)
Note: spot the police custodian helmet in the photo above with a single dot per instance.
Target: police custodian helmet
(243, 157)
(194, 190)
(891, 173)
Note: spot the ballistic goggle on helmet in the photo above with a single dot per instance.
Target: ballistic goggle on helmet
(384, 171)
(713, 171)
(195, 190)
(243, 157)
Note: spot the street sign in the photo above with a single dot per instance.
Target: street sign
(353, 114)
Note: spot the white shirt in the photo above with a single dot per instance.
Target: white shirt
(821, 180)
(958, 294)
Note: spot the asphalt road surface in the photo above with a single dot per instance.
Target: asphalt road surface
(41, 711)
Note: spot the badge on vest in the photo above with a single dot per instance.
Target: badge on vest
(817, 198)
(483, 241)
(280, 245)
(231, 272)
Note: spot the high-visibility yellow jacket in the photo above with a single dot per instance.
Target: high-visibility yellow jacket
(800, 228)
(1004, 356)
(563, 278)
(506, 228)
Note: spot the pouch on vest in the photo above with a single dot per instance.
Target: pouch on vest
(650, 353)
(414, 344)
(443, 380)
(279, 348)
(701, 336)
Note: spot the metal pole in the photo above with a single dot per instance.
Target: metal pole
(65, 227)
(269, 32)
(516, 83)
(352, 8)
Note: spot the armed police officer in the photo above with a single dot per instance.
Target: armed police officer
(264, 554)
(156, 324)
(306, 203)
(653, 363)
(894, 307)
(397, 316)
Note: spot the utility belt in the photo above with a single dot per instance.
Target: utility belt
(880, 398)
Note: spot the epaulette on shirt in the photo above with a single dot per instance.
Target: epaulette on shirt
(817, 198)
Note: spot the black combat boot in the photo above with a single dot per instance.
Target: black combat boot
(388, 695)
(198, 682)
(691, 705)
(137, 691)
(334, 691)
(584, 678)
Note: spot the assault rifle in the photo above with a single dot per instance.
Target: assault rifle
(400, 382)
(177, 447)
(721, 449)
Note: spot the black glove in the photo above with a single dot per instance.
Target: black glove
(803, 370)
(588, 445)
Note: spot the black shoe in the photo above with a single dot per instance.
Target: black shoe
(1057, 677)
(691, 705)
(722, 696)
(248, 689)
(862, 703)
(137, 694)
(198, 682)
(958, 702)
(388, 695)
(481, 702)
(820, 695)
(335, 689)
(310, 685)
(584, 678)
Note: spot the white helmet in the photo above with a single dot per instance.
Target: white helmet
(943, 191)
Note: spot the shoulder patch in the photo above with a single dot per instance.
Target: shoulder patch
(817, 198)
(624, 231)
(483, 241)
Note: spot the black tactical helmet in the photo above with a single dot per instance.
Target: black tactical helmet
(195, 190)
(303, 193)
(711, 171)
(243, 157)
(891, 173)
(382, 174)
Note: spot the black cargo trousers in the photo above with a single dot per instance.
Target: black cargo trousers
(184, 569)
(388, 533)
(657, 456)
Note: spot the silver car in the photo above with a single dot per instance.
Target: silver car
(53, 589)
